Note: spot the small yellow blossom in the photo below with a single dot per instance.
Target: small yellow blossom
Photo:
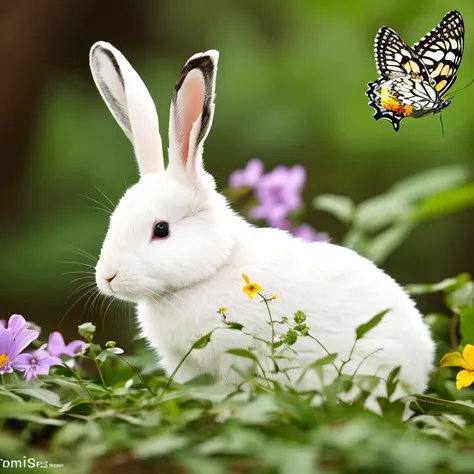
(464, 377)
(250, 287)
(222, 309)
(274, 297)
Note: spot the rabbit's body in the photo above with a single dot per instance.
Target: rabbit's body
(176, 249)
(301, 278)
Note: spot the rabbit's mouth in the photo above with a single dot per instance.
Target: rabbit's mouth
(128, 287)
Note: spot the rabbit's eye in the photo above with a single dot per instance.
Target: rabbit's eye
(161, 231)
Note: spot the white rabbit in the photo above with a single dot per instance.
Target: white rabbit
(176, 249)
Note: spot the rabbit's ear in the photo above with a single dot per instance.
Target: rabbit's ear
(192, 110)
(130, 102)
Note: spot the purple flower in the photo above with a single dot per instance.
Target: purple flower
(3, 323)
(14, 338)
(308, 234)
(249, 176)
(57, 346)
(279, 192)
(36, 363)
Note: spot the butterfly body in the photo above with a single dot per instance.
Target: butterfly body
(414, 80)
(395, 99)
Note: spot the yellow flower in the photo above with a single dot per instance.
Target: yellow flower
(465, 377)
(274, 297)
(222, 309)
(250, 287)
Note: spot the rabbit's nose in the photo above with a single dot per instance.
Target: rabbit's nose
(109, 280)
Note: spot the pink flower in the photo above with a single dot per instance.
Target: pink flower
(249, 176)
(278, 193)
(36, 363)
(57, 346)
(307, 233)
(14, 338)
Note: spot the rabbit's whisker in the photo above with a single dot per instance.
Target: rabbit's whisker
(102, 207)
(83, 253)
(105, 195)
(74, 304)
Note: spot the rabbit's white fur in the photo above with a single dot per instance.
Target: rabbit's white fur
(179, 283)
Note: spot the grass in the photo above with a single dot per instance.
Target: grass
(116, 413)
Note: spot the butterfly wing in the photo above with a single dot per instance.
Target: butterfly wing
(418, 95)
(394, 58)
(373, 93)
(441, 51)
(395, 99)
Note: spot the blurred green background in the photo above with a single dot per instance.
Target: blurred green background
(290, 89)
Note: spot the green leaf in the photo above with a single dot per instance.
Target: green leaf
(421, 289)
(381, 211)
(363, 329)
(233, 325)
(445, 202)
(356, 239)
(326, 360)
(203, 341)
(466, 324)
(434, 405)
(341, 207)
(461, 296)
(42, 394)
(39, 419)
(427, 183)
(243, 353)
(160, 445)
(392, 381)
(102, 357)
(11, 408)
(381, 246)
(66, 384)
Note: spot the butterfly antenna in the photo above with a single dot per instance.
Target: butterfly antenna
(442, 125)
(462, 88)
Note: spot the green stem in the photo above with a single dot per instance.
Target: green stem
(349, 358)
(94, 356)
(137, 372)
(275, 365)
(175, 371)
(363, 360)
(81, 383)
(327, 352)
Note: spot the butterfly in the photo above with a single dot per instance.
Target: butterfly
(414, 80)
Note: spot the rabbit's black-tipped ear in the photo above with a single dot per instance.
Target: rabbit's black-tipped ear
(192, 110)
(130, 102)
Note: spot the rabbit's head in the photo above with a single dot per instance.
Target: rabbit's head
(170, 230)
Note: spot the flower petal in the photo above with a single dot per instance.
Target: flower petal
(17, 323)
(56, 343)
(468, 355)
(22, 340)
(237, 179)
(5, 340)
(297, 177)
(309, 234)
(454, 359)
(73, 348)
(30, 373)
(246, 278)
(49, 361)
(464, 378)
(253, 172)
(22, 361)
